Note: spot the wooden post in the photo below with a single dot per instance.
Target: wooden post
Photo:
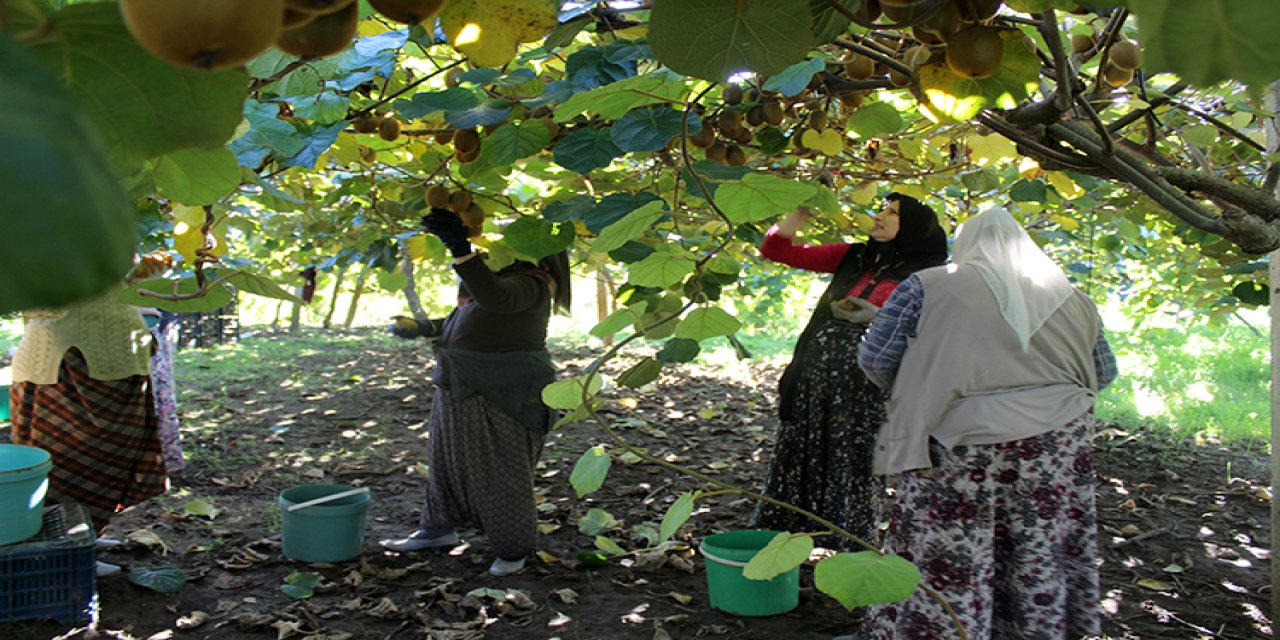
(355, 295)
(333, 301)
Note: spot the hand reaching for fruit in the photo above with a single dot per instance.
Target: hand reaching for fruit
(151, 265)
(447, 226)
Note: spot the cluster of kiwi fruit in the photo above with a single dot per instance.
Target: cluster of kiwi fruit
(460, 201)
(957, 28)
(1123, 58)
(218, 34)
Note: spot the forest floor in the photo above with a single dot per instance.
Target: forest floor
(1185, 526)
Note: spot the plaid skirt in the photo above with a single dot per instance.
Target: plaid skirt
(102, 436)
(480, 466)
(1006, 533)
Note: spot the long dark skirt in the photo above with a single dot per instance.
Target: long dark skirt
(102, 435)
(1006, 533)
(480, 465)
(822, 460)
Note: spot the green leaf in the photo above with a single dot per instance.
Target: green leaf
(1252, 293)
(300, 585)
(201, 507)
(536, 238)
(641, 373)
(1202, 135)
(427, 102)
(516, 140)
(161, 579)
(1209, 41)
(761, 195)
(143, 106)
(865, 578)
(650, 128)
(486, 113)
(614, 207)
(197, 177)
(785, 552)
(216, 298)
(677, 514)
(1029, 191)
(795, 78)
(590, 471)
(828, 22)
(586, 150)
(875, 120)
(679, 350)
(951, 98)
(592, 559)
(713, 39)
(619, 320)
(613, 100)
(707, 322)
(596, 521)
(661, 269)
(257, 285)
(69, 228)
(825, 200)
(609, 546)
(631, 226)
(567, 394)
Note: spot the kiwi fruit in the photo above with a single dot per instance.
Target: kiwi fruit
(729, 121)
(903, 14)
(326, 35)
(943, 22)
(917, 56)
(744, 136)
(851, 99)
(1125, 54)
(773, 113)
(475, 232)
(717, 151)
(898, 79)
(317, 7)
(925, 37)
(1081, 42)
(734, 156)
(437, 196)
(443, 137)
(466, 140)
(868, 12)
(975, 52)
(460, 200)
(366, 123)
(466, 156)
(859, 67)
(407, 11)
(473, 215)
(705, 137)
(367, 154)
(204, 34)
(1117, 77)
(293, 18)
(755, 116)
(454, 77)
(732, 94)
(818, 121)
(977, 10)
(389, 129)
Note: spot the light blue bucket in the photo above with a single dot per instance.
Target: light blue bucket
(24, 481)
(332, 531)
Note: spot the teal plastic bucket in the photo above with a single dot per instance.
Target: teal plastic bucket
(24, 481)
(328, 532)
(727, 553)
(4, 402)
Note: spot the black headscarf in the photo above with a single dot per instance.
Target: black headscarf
(920, 243)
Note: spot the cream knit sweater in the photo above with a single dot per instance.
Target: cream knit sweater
(111, 335)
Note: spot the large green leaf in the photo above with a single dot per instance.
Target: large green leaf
(761, 195)
(300, 585)
(677, 514)
(619, 320)
(258, 285)
(828, 22)
(874, 120)
(215, 298)
(713, 39)
(161, 579)
(196, 177)
(567, 394)
(596, 521)
(651, 128)
(586, 150)
(661, 269)
(69, 228)
(537, 239)
(143, 107)
(795, 78)
(516, 140)
(785, 552)
(641, 373)
(631, 226)
(866, 578)
(951, 98)
(1208, 41)
(590, 471)
(707, 322)
(613, 100)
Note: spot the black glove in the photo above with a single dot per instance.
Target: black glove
(410, 328)
(447, 226)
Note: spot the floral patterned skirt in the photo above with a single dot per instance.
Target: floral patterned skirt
(822, 459)
(1006, 533)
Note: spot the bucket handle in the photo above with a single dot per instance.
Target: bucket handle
(718, 559)
(323, 499)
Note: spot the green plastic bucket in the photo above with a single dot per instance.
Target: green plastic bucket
(24, 481)
(727, 553)
(4, 402)
(328, 532)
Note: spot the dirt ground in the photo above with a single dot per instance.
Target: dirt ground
(1185, 526)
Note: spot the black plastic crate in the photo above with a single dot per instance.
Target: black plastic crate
(52, 575)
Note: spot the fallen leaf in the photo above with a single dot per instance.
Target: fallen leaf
(1179, 500)
(547, 557)
(682, 598)
(1173, 568)
(1130, 530)
(148, 539)
(191, 620)
(1155, 585)
(566, 595)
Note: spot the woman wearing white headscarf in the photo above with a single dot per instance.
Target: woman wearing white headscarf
(993, 363)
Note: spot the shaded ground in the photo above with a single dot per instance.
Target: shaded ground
(1185, 528)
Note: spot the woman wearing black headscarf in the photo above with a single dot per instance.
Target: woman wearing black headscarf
(829, 411)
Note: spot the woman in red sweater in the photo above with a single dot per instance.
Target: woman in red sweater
(829, 411)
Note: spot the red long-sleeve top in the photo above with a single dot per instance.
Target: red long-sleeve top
(822, 258)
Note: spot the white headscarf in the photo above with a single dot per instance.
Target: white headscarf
(1026, 282)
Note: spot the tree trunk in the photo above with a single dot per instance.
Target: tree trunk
(295, 317)
(275, 320)
(410, 286)
(355, 296)
(1273, 283)
(333, 302)
(604, 297)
